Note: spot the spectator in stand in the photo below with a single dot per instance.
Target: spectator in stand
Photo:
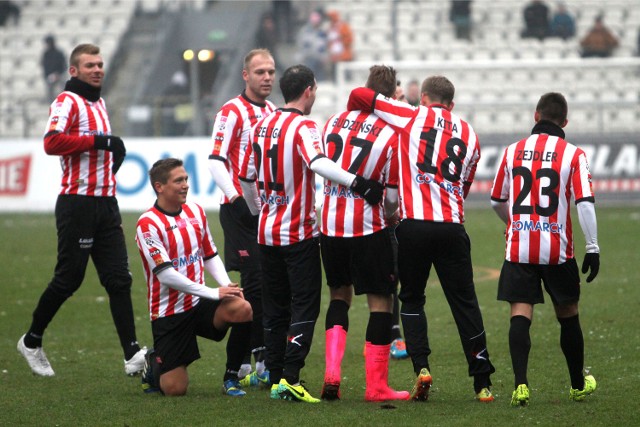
(536, 20)
(283, 14)
(460, 16)
(54, 66)
(312, 46)
(340, 40)
(562, 24)
(9, 10)
(175, 97)
(399, 92)
(599, 41)
(413, 93)
(267, 37)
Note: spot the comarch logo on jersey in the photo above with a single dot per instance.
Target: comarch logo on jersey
(339, 191)
(423, 178)
(187, 260)
(530, 225)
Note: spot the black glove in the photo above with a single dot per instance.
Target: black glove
(369, 189)
(115, 145)
(110, 143)
(591, 262)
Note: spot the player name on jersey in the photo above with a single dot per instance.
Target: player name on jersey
(543, 156)
(358, 126)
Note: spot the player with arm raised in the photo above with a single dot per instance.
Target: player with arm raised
(231, 135)
(531, 193)
(438, 154)
(356, 249)
(284, 157)
(176, 248)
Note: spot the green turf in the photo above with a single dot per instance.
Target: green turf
(90, 387)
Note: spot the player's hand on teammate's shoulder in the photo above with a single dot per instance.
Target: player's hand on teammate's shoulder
(370, 189)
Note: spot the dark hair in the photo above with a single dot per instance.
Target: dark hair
(382, 79)
(90, 49)
(161, 170)
(439, 89)
(553, 106)
(295, 80)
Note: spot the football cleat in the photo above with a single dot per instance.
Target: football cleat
(420, 390)
(520, 396)
(589, 387)
(485, 395)
(254, 379)
(399, 349)
(232, 388)
(274, 392)
(330, 391)
(149, 383)
(295, 392)
(135, 365)
(36, 358)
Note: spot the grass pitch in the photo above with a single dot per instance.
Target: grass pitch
(90, 388)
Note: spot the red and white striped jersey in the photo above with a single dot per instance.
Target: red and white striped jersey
(231, 133)
(438, 155)
(181, 242)
(362, 144)
(284, 145)
(73, 122)
(538, 175)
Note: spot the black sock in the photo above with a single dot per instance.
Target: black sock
(572, 344)
(237, 347)
(257, 340)
(32, 340)
(519, 347)
(275, 375)
(122, 314)
(379, 328)
(48, 305)
(395, 329)
(337, 314)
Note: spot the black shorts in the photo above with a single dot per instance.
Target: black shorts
(366, 262)
(240, 230)
(174, 337)
(522, 283)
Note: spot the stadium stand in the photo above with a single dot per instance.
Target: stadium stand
(497, 74)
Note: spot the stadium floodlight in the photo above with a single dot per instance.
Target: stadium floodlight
(189, 55)
(206, 55)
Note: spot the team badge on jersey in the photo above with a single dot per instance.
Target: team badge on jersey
(218, 142)
(148, 239)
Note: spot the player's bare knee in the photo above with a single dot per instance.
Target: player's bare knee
(174, 390)
(236, 311)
